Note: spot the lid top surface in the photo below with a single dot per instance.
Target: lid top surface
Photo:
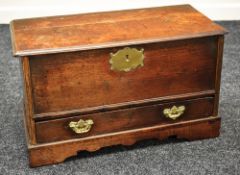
(108, 29)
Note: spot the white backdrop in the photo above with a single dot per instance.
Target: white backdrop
(12, 9)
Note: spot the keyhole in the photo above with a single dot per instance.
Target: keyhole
(127, 58)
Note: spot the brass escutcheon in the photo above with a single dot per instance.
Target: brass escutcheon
(174, 112)
(82, 126)
(126, 59)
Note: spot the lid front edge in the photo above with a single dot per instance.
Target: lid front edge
(108, 45)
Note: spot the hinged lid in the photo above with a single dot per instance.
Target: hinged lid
(108, 29)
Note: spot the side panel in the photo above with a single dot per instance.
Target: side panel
(28, 101)
(218, 73)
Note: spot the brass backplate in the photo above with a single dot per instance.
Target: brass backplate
(126, 59)
(82, 126)
(174, 112)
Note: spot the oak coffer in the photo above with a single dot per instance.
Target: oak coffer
(100, 79)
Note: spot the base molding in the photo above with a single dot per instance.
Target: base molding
(56, 152)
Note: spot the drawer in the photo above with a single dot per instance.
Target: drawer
(125, 119)
(77, 80)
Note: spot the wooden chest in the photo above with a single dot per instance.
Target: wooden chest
(100, 79)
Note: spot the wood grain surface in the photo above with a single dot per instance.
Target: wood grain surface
(120, 120)
(124, 105)
(84, 79)
(67, 77)
(50, 153)
(28, 100)
(108, 29)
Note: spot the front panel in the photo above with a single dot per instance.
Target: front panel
(85, 79)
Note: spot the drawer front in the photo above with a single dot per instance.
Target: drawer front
(84, 79)
(120, 120)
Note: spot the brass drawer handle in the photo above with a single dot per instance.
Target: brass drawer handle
(82, 126)
(126, 59)
(174, 112)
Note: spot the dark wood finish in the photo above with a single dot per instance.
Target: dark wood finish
(67, 76)
(28, 103)
(108, 29)
(218, 73)
(120, 120)
(50, 153)
(62, 81)
(125, 105)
